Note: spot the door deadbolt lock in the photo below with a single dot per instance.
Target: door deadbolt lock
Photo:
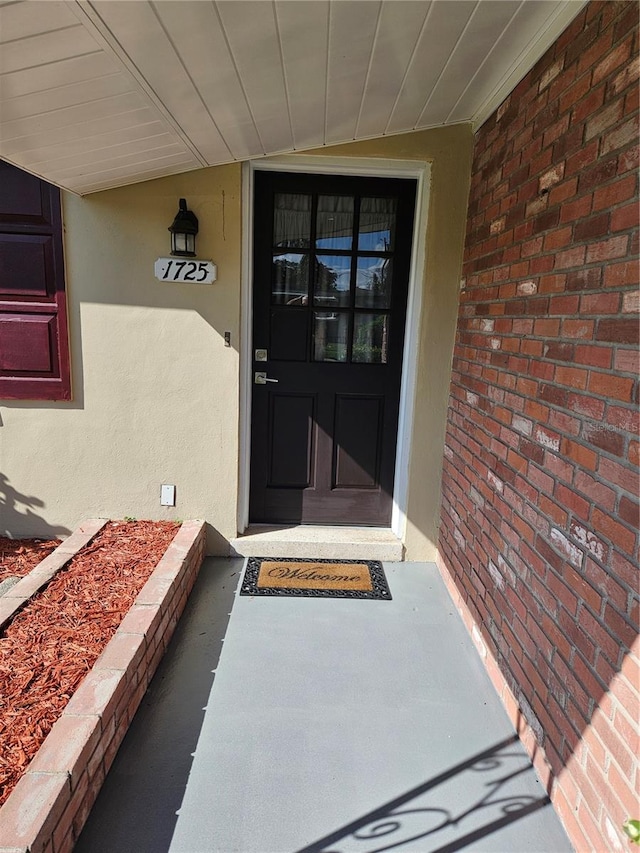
(261, 355)
(261, 378)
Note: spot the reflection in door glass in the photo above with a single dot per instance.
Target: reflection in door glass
(333, 278)
(370, 339)
(335, 222)
(290, 279)
(330, 335)
(377, 224)
(373, 282)
(292, 220)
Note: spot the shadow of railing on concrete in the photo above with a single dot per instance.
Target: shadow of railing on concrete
(454, 809)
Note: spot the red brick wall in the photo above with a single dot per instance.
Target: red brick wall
(539, 526)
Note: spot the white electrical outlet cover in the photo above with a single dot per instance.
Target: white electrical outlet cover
(167, 495)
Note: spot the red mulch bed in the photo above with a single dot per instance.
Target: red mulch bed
(19, 556)
(50, 645)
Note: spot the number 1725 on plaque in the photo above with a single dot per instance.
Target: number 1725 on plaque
(181, 269)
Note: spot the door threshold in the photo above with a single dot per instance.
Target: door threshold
(319, 542)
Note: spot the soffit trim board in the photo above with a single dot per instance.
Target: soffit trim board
(299, 153)
(556, 24)
(325, 164)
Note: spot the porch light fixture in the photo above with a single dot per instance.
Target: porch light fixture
(183, 232)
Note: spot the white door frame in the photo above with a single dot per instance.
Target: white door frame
(372, 167)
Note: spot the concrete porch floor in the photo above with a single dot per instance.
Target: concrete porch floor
(330, 726)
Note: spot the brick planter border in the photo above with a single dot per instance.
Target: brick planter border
(47, 809)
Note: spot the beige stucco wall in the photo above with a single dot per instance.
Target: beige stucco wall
(155, 389)
(156, 392)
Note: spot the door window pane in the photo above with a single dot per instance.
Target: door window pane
(373, 282)
(330, 335)
(292, 220)
(333, 279)
(370, 339)
(377, 224)
(290, 279)
(335, 222)
(289, 335)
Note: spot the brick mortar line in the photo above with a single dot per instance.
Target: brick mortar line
(622, 583)
(583, 418)
(553, 525)
(599, 618)
(548, 339)
(447, 550)
(620, 491)
(584, 242)
(28, 587)
(50, 790)
(459, 382)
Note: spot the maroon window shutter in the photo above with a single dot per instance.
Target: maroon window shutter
(34, 347)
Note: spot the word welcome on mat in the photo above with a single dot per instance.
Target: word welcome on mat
(321, 578)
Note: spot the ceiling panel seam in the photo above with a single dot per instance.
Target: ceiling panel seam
(448, 62)
(238, 75)
(52, 160)
(139, 178)
(52, 130)
(484, 61)
(285, 82)
(50, 62)
(101, 32)
(61, 87)
(191, 80)
(90, 122)
(70, 106)
(369, 67)
(97, 168)
(408, 68)
(40, 34)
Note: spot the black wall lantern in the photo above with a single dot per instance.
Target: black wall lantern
(183, 232)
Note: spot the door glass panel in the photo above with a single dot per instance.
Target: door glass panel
(373, 282)
(289, 334)
(292, 220)
(335, 222)
(330, 335)
(333, 278)
(370, 338)
(290, 279)
(377, 224)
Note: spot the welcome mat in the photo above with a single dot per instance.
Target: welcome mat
(316, 578)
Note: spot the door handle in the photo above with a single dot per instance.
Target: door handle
(261, 378)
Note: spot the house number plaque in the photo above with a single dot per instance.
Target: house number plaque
(186, 270)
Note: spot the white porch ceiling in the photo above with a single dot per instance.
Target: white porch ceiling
(101, 94)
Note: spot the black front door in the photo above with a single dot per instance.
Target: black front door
(330, 280)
